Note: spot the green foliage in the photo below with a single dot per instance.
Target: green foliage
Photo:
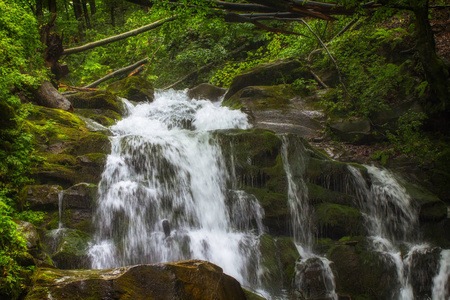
(21, 67)
(409, 139)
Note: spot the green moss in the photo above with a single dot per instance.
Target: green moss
(106, 117)
(318, 194)
(133, 88)
(272, 277)
(40, 115)
(336, 221)
(288, 255)
(252, 296)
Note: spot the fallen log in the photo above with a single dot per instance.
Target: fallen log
(118, 37)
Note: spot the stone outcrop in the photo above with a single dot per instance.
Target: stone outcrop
(193, 280)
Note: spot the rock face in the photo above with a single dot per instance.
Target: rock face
(193, 279)
(278, 108)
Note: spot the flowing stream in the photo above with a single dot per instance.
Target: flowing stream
(163, 195)
(392, 224)
(314, 278)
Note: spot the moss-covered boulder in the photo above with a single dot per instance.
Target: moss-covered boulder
(71, 153)
(431, 208)
(206, 91)
(278, 72)
(318, 194)
(96, 100)
(363, 274)
(105, 117)
(133, 88)
(336, 221)
(41, 197)
(193, 279)
(72, 250)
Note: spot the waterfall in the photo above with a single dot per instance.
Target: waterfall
(314, 278)
(441, 282)
(163, 195)
(392, 224)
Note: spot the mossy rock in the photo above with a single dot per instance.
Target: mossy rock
(336, 221)
(272, 274)
(282, 71)
(363, 274)
(7, 116)
(40, 115)
(72, 251)
(261, 98)
(40, 197)
(97, 100)
(431, 208)
(193, 279)
(133, 88)
(287, 255)
(105, 117)
(318, 194)
(206, 91)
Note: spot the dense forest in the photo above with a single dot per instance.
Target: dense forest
(368, 58)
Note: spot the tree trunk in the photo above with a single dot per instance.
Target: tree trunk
(436, 72)
(92, 7)
(86, 14)
(48, 96)
(78, 11)
(52, 6)
(39, 12)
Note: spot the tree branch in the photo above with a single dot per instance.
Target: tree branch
(118, 37)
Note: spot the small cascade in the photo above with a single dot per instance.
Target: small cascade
(314, 278)
(392, 224)
(164, 197)
(441, 282)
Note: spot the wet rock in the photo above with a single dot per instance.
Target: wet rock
(206, 91)
(41, 197)
(312, 280)
(431, 208)
(193, 279)
(423, 266)
(362, 273)
(133, 88)
(336, 221)
(72, 250)
(281, 71)
(278, 108)
(80, 196)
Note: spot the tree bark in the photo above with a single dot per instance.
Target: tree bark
(52, 6)
(117, 73)
(39, 12)
(48, 96)
(436, 72)
(119, 36)
(86, 14)
(92, 7)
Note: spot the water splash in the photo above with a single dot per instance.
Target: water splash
(163, 194)
(441, 282)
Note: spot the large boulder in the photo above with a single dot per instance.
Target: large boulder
(133, 88)
(206, 91)
(336, 221)
(352, 131)
(192, 280)
(277, 72)
(41, 197)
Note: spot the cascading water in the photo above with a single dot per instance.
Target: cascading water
(163, 195)
(392, 222)
(314, 278)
